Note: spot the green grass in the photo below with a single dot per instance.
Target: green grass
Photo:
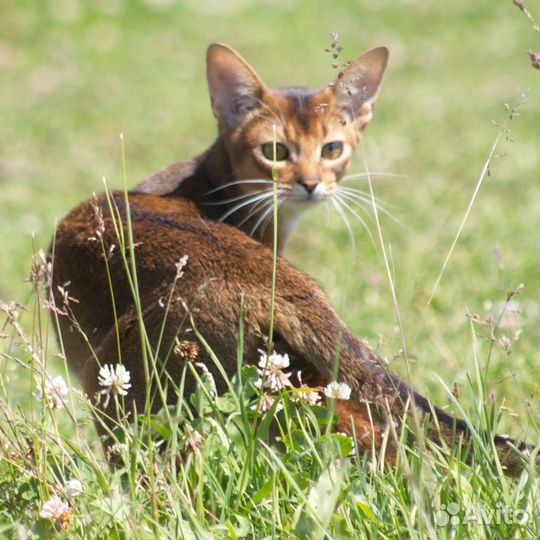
(73, 76)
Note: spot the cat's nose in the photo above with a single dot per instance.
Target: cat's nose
(309, 184)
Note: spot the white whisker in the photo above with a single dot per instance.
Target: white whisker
(354, 197)
(356, 215)
(258, 207)
(270, 216)
(364, 196)
(267, 211)
(255, 198)
(340, 211)
(357, 202)
(237, 182)
(237, 198)
(360, 176)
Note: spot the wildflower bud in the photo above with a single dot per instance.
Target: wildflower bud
(505, 344)
(74, 488)
(535, 59)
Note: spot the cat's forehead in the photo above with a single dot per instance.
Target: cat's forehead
(300, 112)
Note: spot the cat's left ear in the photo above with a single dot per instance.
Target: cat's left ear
(358, 85)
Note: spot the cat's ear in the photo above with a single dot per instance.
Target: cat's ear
(358, 85)
(235, 88)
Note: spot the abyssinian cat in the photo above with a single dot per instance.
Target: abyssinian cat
(228, 274)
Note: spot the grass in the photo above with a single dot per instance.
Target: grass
(77, 75)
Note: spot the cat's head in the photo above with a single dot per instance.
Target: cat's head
(315, 131)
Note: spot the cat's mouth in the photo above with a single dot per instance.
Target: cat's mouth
(303, 192)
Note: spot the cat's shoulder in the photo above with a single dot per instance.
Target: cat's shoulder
(169, 178)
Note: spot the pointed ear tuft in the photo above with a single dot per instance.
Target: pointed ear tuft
(235, 88)
(358, 85)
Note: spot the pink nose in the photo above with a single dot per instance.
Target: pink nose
(310, 185)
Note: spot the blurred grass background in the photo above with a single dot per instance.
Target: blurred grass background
(75, 74)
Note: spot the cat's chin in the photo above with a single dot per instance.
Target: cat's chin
(300, 196)
(302, 203)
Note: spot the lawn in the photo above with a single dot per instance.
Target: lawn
(74, 75)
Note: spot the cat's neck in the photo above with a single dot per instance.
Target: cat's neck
(190, 179)
(210, 181)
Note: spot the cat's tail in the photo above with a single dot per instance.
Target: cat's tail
(380, 399)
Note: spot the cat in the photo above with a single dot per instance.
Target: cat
(201, 256)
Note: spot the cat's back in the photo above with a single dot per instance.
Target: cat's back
(89, 241)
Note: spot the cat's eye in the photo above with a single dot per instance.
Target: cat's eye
(282, 152)
(332, 150)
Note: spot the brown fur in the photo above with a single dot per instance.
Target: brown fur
(225, 266)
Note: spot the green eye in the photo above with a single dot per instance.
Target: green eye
(282, 152)
(332, 150)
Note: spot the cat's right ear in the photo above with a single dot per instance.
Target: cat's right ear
(358, 85)
(235, 88)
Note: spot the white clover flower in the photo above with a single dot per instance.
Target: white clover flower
(266, 403)
(114, 379)
(309, 397)
(53, 392)
(194, 441)
(337, 390)
(54, 508)
(274, 361)
(270, 369)
(74, 488)
(306, 394)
